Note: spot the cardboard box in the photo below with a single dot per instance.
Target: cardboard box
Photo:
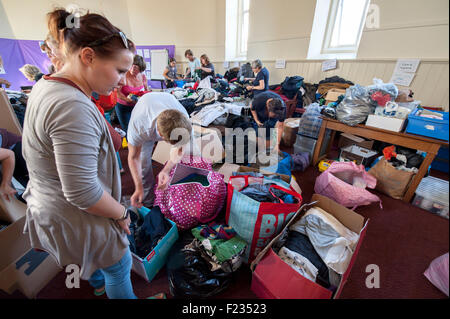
(274, 279)
(208, 142)
(227, 170)
(358, 154)
(347, 139)
(21, 267)
(333, 95)
(290, 131)
(149, 266)
(386, 123)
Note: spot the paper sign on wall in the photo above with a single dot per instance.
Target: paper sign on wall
(226, 64)
(139, 52)
(408, 66)
(404, 71)
(147, 53)
(402, 78)
(147, 65)
(280, 64)
(329, 65)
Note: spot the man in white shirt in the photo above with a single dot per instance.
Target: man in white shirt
(156, 117)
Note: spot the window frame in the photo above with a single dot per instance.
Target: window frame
(322, 32)
(241, 12)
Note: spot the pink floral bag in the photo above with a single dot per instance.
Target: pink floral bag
(189, 202)
(345, 183)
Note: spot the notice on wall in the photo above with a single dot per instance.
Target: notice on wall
(329, 65)
(280, 64)
(226, 64)
(139, 52)
(408, 66)
(404, 71)
(402, 78)
(147, 65)
(146, 53)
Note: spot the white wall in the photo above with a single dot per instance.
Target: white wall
(408, 29)
(26, 19)
(278, 30)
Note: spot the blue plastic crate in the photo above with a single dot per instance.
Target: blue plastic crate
(149, 266)
(433, 128)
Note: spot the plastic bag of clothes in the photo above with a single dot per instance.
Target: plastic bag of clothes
(342, 182)
(356, 106)
(381, 93)
(190, 275)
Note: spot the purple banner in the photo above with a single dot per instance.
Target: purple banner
(170, 49)
(17, 53)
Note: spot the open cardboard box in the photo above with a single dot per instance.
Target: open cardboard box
(227, 170)
(333, 95)
(21, 267)
(347, 139)
(274, 279)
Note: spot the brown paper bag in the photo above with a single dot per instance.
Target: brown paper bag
(391, 181)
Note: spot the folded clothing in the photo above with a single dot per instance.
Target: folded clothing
(221, 249)
(147, 232)
(264, 194)
(301, 245)
(333, 242)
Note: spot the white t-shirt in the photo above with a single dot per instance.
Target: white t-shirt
(142, 126)
(193, 65)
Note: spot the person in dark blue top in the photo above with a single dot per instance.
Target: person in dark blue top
(261, 82)
(269, 112)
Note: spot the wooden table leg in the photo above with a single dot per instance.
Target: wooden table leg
(330, 143)
(422, 171)
(319, 143)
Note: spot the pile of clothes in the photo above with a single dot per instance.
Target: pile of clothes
(259, 188)
(147, 232)
(203, 262)
(318, 247)
(18, 101)
(402, 158)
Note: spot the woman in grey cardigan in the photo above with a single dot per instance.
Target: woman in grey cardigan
(73, 194)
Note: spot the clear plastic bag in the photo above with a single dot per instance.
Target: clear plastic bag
(381, 93)
(355, 107)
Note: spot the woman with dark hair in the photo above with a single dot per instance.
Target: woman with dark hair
(207, 68)
(135, 81)
(73, 193)
(170, 73)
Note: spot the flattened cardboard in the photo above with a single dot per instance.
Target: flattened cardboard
(23, 276)
(12, 210)
(272, 265)
(210, 145)
(8, 120)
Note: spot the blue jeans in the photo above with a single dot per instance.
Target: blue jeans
(116, 279)
(123, 113)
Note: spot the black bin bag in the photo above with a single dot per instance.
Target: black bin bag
(190, 275)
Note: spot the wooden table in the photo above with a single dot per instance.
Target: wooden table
(429, 145)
